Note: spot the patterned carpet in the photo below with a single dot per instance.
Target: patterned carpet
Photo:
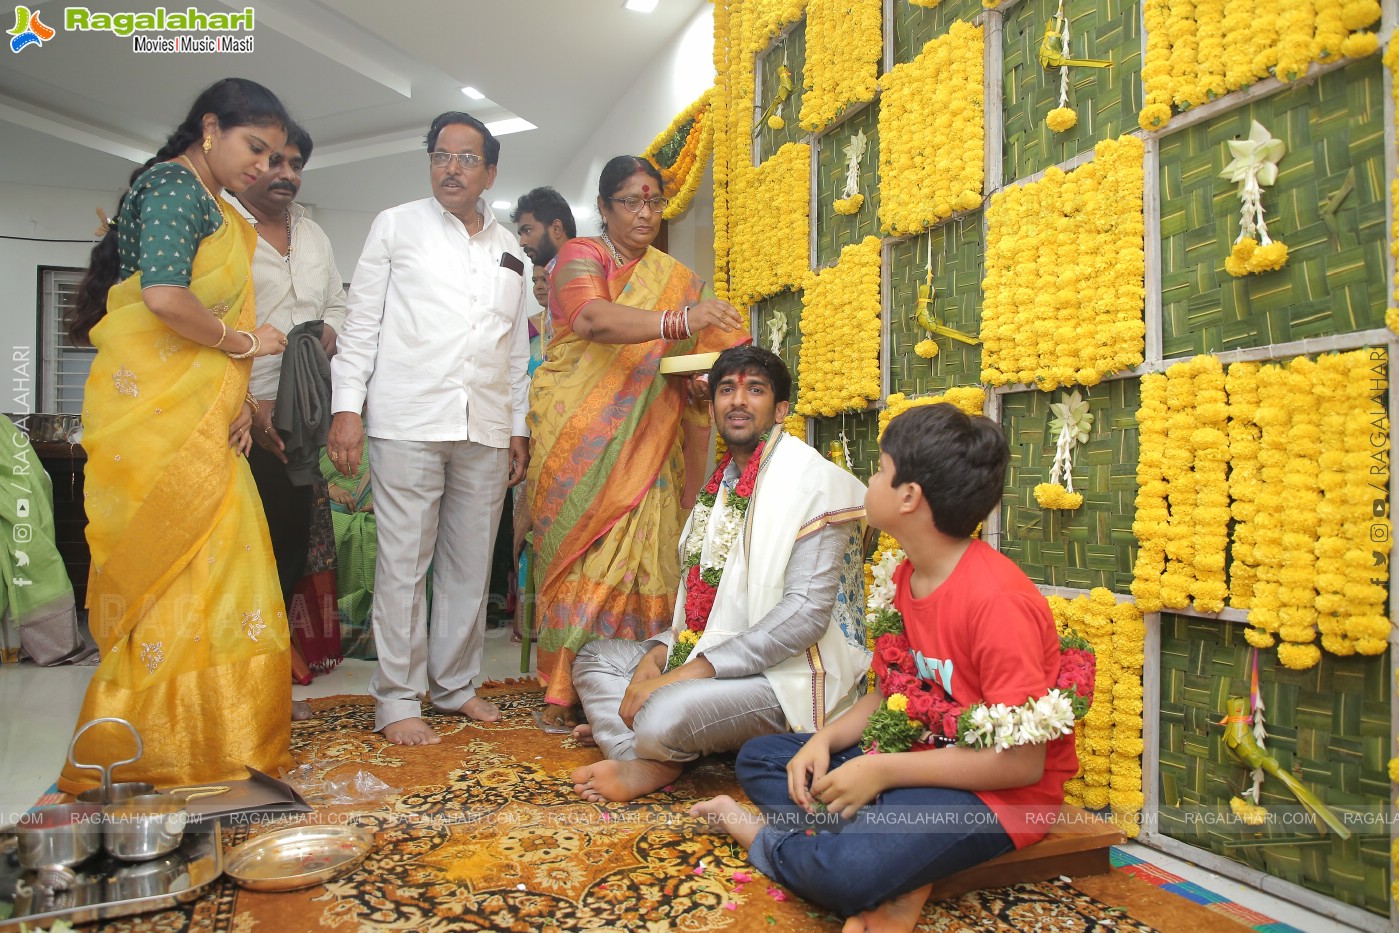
(484, 833)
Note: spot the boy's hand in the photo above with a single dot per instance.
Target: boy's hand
(806, 767)
(848, 788)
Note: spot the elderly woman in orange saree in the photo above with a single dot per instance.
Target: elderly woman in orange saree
(183, 600)
(607, 478)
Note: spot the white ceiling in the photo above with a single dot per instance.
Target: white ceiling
(365, 77)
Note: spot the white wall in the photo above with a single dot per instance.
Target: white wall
(681, 72)
(43, 214)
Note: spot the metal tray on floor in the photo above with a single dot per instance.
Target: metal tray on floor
(104, 887)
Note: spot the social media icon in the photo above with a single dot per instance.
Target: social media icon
(22, 508)
(21, 558)
(23, 532)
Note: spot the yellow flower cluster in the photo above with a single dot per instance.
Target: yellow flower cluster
(1055, 496)
(840, 325)
(770, 208)
(683, 178)
(795, 425)
(1241, 385)
(1198, 50)
(844, 46)
(1061, 119)
(969, 399)
(1182, 518)
(1302, 442)
(741, 28)
(931, 133)
(1109, 740)
(1250, 814)
(851, 205)
(1246, 256)
(1065, 266)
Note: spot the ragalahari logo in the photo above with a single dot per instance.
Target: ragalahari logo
(29, 30)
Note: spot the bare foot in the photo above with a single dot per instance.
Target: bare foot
(300, 710)
(724, 814)
(412, 731)
(620, 781)
(899, 915)
(480, 710)
(583, 735)
(559, 716)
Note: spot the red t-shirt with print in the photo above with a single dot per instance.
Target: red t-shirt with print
(987, 635)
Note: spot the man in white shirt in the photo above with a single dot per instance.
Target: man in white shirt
(296, 280)
(435, 353)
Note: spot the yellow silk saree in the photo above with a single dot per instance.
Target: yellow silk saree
(183, 597)
(606, 468)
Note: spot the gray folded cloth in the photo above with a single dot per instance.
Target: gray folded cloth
(302, 415)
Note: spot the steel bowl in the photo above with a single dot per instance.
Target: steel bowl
(119, 792)
(298, 857)
(167, 874)
(59, 836)
(144, 827)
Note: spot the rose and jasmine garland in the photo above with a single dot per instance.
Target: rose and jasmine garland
(917, 710)
(702, 577)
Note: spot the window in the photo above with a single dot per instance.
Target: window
(63, 367)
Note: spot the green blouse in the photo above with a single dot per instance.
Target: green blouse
(161, 223)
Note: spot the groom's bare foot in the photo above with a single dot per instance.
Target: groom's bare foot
(620, 781)
(583, 735)
(724, 814)
(898, 915)
(412, 731)
(480, 710)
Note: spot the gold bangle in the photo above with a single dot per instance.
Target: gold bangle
(253, 346)
(225, 332)
(253, 402)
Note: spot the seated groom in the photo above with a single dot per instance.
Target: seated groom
(768, 634)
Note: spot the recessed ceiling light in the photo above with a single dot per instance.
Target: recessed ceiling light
(473, 93)
(510, 125)
(500, 205)
(640, 6)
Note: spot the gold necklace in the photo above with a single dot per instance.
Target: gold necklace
(607, 241)
(287, 217)
(207, 190)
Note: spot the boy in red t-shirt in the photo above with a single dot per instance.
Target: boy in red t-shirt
(979, 629)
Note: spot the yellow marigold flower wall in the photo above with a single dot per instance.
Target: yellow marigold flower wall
(1054, 313)
(770, 209)
(844, 45)
(932, 133)
(840, 326)
(970, 399)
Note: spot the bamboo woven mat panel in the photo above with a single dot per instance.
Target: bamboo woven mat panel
(1092, 545)
(861, 435)
(1334, 280)
(1107, 100)
(958, 266)
(1328, 725)
(915, 25)
(788, 306)
(834, 231)
(792, 47)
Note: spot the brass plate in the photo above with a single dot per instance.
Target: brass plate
(689, 363)
(298, 857)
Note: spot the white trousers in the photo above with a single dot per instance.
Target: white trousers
(436, 503)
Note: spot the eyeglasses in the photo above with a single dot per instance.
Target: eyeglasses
(634, 204)
(464, 159)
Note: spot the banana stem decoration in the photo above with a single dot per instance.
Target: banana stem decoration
(771, 117)
(1244, 748)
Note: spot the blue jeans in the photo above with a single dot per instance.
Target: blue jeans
(903, 839)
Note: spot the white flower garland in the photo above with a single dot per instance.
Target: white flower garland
(725, 535)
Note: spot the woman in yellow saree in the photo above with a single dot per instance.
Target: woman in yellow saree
(183, 597)
(607, 474)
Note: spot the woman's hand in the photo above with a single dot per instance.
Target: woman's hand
(264, 435)
(713, 312)
(239, 432)
(272, 341)
(342, 497)
(805, 768)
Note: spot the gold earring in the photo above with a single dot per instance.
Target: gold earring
(208, 143)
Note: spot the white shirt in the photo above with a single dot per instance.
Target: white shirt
(307, 288)
(436, 341)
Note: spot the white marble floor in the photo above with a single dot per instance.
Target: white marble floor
(39, 706)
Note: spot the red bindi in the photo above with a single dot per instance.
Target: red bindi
(742, 379)
(645, 189)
